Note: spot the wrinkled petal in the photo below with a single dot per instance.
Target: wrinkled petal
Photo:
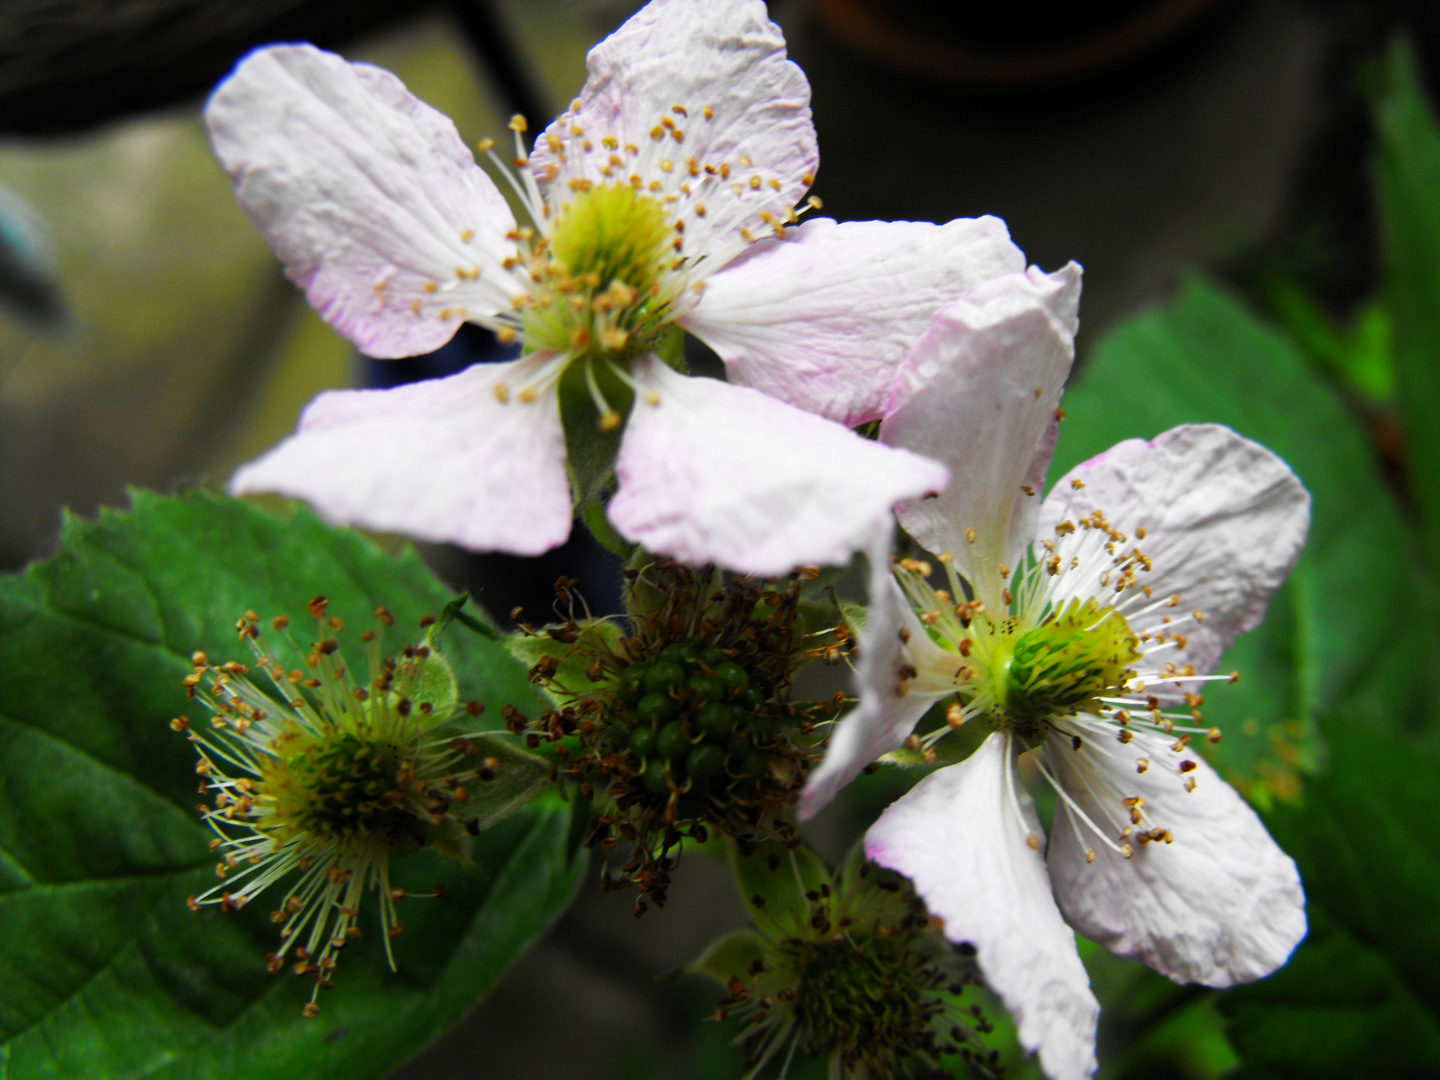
(1224, 520)
(367, 194)
(892, 638)
(979, 392)
(824, 317)
(719, 473)
(1220, 905)
(439, 460)
(961, 836)
(744, 112)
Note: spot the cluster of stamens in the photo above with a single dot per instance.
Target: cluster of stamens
(686, 725)
(329, 778)
(602, 270)
(1072, 653)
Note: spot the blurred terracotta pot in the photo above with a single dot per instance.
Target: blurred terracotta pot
(1008, 46)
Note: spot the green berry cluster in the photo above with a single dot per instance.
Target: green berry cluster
(681, 722)
(693, 724)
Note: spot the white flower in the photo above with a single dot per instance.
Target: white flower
(663, 198)
(1081, 630)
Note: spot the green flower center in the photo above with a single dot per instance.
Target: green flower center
(872, 1003)
(601, 276)
(342, 785)
(1060, 667)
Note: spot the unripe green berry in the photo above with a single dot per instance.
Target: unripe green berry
(655, 777)
(655, 708)
(705, 762)
(733, 676)
(679, 652)
(716, 720)
(671, 742)
(642, 741)
(709, 687)
(664, 675)
(752, 698)
(632, 682)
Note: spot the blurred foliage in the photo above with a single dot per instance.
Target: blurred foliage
(1407, 178)
(107, 972)
(1361, 996)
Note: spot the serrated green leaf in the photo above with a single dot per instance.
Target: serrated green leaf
(1407, 182)
(1350, 624)
(107, 972)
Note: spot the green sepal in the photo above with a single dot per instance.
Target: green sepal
(435, 683)
(519, 777)
(951, 750)
(854, 614)
(592, 452)
(454, 612)
(774, 880)
(596, 520)
(730, 957)
(670, 347)
(532, 649)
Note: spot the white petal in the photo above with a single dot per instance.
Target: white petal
(746, 113)
(892, 638)
(717, 473)
(367, 195)
(439, 460)
(824, 317)
(979, 392)
(1224, 520)
(1220, 905)
(958, 836)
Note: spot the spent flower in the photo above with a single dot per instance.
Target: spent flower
(683, 720)
(1078, 631)
(324, 780)
(665, 197)
(846, 966)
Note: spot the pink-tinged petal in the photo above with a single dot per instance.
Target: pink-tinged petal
(717, 473)
(891, 700)
(1219, 905)
(744, 112)
(440, 460)
(824, 317)
(963, 835)
(1224, 522)
(979, 392)
(368, 196)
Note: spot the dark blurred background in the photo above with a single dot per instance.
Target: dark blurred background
(147, 336)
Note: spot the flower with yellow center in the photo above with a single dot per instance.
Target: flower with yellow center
(664, 199)
(1078, 630)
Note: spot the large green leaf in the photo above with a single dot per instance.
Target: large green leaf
(1407, 181)
(106, 973)
(1348, 625)
(1361, 997)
